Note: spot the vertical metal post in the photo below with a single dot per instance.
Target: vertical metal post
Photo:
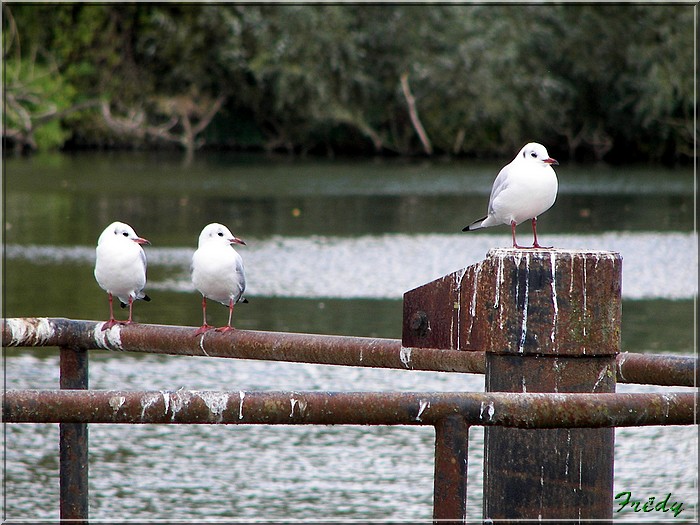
(553, 326)
(73, 442)
(450, 482)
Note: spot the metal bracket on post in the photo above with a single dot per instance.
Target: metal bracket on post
(549, 321)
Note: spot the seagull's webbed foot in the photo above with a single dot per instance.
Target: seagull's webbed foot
(224, 329)
(109, 324)
(202, 329)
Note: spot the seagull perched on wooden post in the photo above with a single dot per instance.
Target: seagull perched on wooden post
(523, 189)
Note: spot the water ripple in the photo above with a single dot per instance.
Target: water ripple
(655, 265)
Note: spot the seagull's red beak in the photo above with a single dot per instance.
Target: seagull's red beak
(236, 240)
(551, 162)
(139, 240)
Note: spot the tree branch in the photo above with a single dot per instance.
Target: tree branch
(413, 113)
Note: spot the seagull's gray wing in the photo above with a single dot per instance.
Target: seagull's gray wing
(500, 184)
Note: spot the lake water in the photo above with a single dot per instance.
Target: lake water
(331, 247)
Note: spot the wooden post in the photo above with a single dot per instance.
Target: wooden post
(549, 321)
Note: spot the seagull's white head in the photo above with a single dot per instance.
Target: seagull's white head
(217, 233)
(537, 154)
(119, 231)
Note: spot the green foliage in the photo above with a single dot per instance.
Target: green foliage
(594, 81)
(33, 93)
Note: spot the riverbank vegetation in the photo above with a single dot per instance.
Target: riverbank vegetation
(593, 82)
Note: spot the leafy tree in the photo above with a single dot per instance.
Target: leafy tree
(599, 81)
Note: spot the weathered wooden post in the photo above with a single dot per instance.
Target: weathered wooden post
(549, 321)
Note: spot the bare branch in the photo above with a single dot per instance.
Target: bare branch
(413, 113)
(209, 115)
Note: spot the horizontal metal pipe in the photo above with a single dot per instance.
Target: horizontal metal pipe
(667, 370)
(303, 348)
(522, 410)
(242, 344)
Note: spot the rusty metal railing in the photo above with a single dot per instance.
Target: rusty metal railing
(543, 326)
(348, 408)
(451, 414)
(649, 369)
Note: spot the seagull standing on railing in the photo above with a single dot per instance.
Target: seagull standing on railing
(217, 271)
(523, 189)
(120, 267)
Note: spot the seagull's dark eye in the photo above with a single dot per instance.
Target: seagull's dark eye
(125, 234)
(533, 155)
(220, 234)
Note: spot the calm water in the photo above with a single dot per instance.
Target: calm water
(332, 245)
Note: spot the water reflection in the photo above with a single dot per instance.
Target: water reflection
(65, 202)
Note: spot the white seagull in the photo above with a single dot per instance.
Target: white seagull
(523, 189)
(120, 267)
(217, 271)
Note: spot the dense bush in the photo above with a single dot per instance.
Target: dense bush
(610, 82)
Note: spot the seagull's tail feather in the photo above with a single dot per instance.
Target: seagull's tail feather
(475, 225)
(141, 296)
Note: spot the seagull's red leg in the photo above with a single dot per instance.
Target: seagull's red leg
(512, 229)
(131, 306)
(204, 326)
(112, 321)
(230, 315)
(535, 244)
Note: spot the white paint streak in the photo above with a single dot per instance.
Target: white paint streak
(557, 373)
(302, 404)
(585, 293)
(36, 331)
(620, 361)
(148, 401)
(668, 398)
(166, 400)
(18, 330)
(201, 345)
(116, 402)
(241, 395)
(601, 377)
(554, 295)
(523, 329)
(216, 402)
(580, 469)
(405, 356)
(423, 404)
(457, 287)
(541, 476)
(178, 401)
(110, 339)
(43, 331)
(499, 282)
(490, 410)
(472, 306)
